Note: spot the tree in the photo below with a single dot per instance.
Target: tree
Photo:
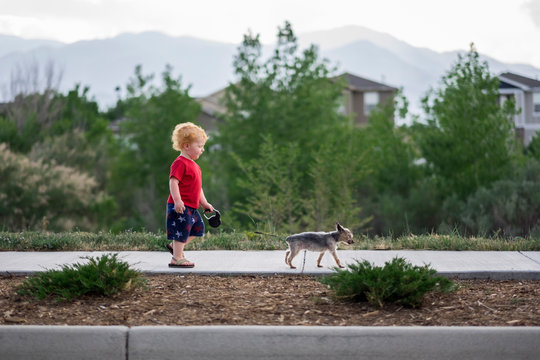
(273, 188)
(34, 105)
(145, 152)
(392, 187)
(533, 149)
(468, 141)
(288, 100)
(392, 151)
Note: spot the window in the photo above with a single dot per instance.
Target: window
(536, 103)
(371, 100)
(504, 98)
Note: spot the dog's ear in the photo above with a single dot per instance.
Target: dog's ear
(339, 227)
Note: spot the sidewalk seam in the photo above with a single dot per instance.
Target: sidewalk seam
(127, 342)
(530, 258)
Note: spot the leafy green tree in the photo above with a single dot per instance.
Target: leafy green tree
(63, 136)
(289, 100)
(141, 165)
(468, 140)
(394, 192)
(391, 150)
(272, 186)
(27, 118)
(533, 149)
(78, 138)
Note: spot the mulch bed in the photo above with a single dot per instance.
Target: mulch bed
(273, 300)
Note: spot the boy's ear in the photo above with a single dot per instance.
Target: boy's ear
(339, 227)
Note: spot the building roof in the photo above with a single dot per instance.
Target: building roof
(519, 80)
(213, 104)
(363, 84)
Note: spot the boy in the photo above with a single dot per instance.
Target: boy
(184, 222)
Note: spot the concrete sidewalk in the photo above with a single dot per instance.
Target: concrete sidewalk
(524, 265)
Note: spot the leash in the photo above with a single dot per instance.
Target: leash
(304, 262)
(261, 233)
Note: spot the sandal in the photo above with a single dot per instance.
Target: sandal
(181, 263)
(169, 247)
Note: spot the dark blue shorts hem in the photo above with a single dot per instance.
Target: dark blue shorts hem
(182, 226)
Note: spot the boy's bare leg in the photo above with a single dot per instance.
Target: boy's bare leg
(178, 247)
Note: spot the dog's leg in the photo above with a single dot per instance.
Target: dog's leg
(287, 257)
(294, 251)
(334, 254)
(320, 258)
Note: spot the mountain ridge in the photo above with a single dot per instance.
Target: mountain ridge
(206, 65)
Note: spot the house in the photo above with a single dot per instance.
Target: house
(526, 93)
(360, 96)
(211, 108)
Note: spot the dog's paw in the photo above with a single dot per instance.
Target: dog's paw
(319, 265)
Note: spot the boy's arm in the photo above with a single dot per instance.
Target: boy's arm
(179, 206)
(205, 204)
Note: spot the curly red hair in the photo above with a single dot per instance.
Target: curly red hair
(186, 133)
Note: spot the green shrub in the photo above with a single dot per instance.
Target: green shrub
(103, 276)
(36, 195)
(509, 207)
(397, 282)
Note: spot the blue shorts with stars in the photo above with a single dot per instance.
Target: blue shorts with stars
(182, 226)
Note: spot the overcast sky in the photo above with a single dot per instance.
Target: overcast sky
(508, 30)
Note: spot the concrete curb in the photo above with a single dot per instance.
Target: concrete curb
(63, 342)
(268, 342)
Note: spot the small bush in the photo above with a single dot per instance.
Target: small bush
(103, 276)
(397, 282)
(37, 195)
(508, 207)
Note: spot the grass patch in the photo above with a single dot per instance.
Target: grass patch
(396, 282)
(218, 240)
(450, 242)
(103, 276)
(81, 241)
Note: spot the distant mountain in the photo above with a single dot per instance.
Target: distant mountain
(106, 64)
(10, 44)
(207, 66)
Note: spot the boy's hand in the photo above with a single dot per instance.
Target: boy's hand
(208, 208)
(179, 207)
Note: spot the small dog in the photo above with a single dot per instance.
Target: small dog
(317, 241)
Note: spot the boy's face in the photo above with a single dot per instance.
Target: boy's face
(194, 150)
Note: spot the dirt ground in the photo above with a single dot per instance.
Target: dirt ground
(273, 300)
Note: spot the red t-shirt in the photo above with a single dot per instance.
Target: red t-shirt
(188, 173)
